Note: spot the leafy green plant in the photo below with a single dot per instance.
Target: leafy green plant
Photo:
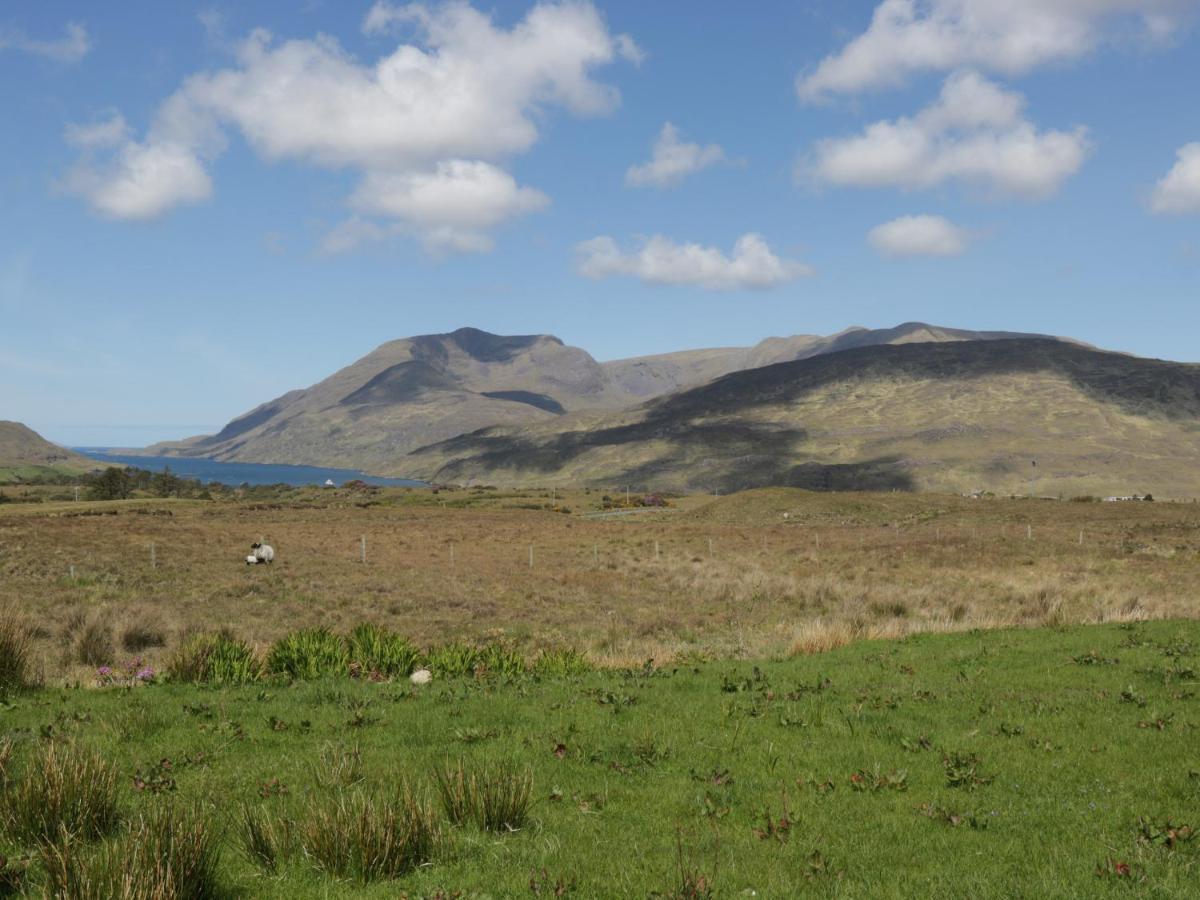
(311, 653)
(453, 660)
(496, 659)
(214, 658)
(64, 787)
(375, 649)
(561, 663)
(963, 771)
(370, 837)
(496, 798)
(166, 853)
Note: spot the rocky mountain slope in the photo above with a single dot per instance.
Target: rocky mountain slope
(423, 390)
(1026, 416)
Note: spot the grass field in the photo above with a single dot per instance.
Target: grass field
(779, 693)
(726, 576)
(1035, 763)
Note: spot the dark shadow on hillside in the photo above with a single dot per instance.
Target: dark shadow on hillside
(1138, 386)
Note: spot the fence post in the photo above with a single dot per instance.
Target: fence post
(153, 558)
(363, 548)
(531, 556)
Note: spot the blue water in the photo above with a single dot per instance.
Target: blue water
(210, 470)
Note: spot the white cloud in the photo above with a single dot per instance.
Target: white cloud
(1179, 189)
(919, 236)
(975, 133)
(1006, 36)
(673, 160)
(660, 260)
(422, 119)
(72, 47)
(453, 206)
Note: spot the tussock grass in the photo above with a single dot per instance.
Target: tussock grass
(338, 766)
(14, 652)
(370, 837)
(166, 854)
(494, 798)
(214, 658)
(62, 788)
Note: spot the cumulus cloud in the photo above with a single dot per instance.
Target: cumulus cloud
(919, 236)
(1179, 189)
(659, 260)
(430, 119)
(453, 206)
(70, 48)
(1006, 36)
(672, 160)
(975, 132)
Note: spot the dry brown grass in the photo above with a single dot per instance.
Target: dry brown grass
(732, 578)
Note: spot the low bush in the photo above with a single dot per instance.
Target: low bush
(63, 788)
(214, 658)
(311, 653)
(370, 837)
(165, 855)
(376, 649)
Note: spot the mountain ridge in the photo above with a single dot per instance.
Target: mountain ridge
(413, 392)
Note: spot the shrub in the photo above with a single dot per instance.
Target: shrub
(375, 649)
(63, 788)
(495, 799)
(214, 658)
(165, 855)
(14, 653)
(453, 660)
(561, 663)
(370, 837)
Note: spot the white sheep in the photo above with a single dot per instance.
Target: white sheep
(262, 553)
(421, 676)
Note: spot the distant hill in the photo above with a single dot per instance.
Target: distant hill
(1018, 415)
(26, 454)
(417, 391)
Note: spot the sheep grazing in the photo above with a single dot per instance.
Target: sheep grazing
(421, 676)
(260, 553)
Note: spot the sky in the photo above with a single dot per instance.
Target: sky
(205, 206)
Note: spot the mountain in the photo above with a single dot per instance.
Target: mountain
(22, 449)
(1017, 415)
(417, 391)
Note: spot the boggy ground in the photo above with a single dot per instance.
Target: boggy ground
(1014, 763)
(748, 576)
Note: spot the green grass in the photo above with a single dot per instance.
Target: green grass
(1037, 763)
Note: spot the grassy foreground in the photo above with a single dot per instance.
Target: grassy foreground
(1035, 763)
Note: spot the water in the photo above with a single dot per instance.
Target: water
(210, 470)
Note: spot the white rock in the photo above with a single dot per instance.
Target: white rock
(421, 676)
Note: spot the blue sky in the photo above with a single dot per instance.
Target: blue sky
(203, 207)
